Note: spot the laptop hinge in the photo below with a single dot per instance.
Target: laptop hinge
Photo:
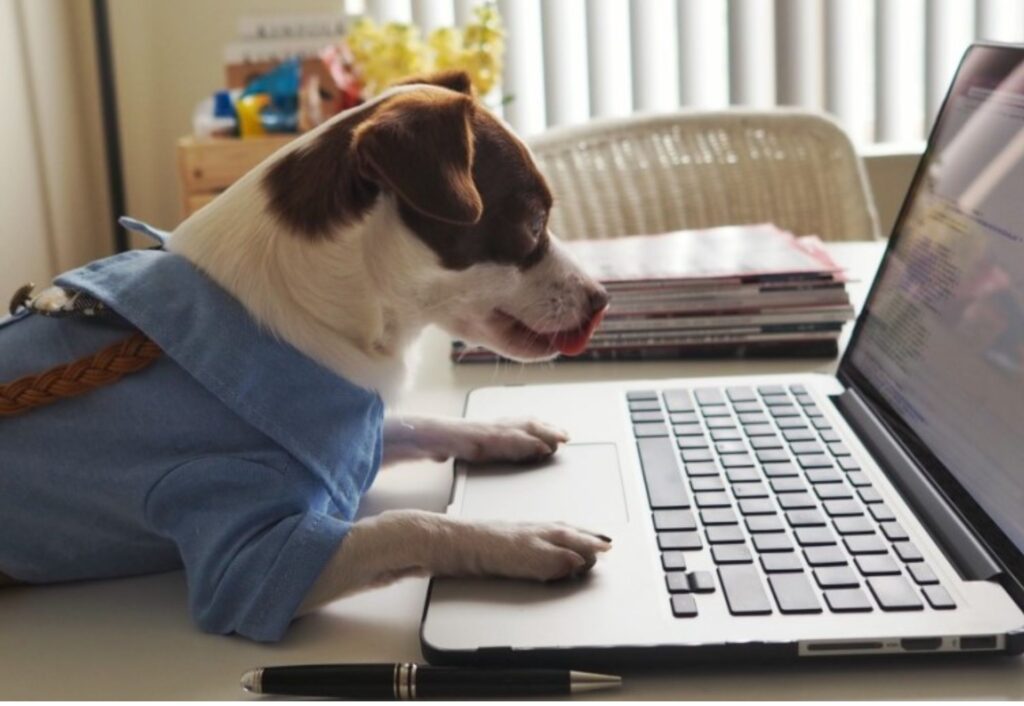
(957, 541)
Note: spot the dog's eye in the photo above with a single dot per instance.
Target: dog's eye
(537, 224)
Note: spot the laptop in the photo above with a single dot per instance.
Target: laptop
(877, 511)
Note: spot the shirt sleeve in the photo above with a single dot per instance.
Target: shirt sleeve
(251, 544)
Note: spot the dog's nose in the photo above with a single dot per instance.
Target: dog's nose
(598, 300)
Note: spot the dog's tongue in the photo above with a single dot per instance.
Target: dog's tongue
(575, 342)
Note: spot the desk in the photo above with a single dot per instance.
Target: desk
(132, 638)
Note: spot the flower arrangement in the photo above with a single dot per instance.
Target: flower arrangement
(385, 54)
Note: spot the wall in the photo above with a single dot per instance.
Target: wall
(167, 57)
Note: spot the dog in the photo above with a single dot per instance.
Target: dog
(418, 207)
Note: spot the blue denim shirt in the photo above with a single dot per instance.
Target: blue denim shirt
(234, 454)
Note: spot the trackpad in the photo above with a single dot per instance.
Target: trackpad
(581, 485)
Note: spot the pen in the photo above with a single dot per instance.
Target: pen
(405, 681)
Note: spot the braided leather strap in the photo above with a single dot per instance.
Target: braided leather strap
(107, 366)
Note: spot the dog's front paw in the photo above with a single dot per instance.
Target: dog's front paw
(540, 552)
(507, 440)
(51, 300)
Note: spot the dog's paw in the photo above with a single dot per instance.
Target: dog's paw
(506, 440)
(51, 300)
(539, 552)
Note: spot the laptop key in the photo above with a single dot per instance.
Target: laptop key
(692, 442)
(701, 581)
(726, 434)
(805, 518)
(922, 574)
(673, 561)
(741, 407)
(644, 406)
(838, 448)
(848, 463)
(877, 565)
(753, 418)
(741, 394)
(721, 516)
(683, 418)
(638, 417)
(820, 423)
(858, 479)
(869, 495)
(754, 430)
(692, 429)
(812, 410)
(791, 423)
(780, 470)
(684, 606)
(784, 411)
(805, 447)
(814, 461)
(796, 501)
(832, 491)
(794, 594)
(854, 525)
(676, 582)
(674, 520)
(665, 487)
(772, 455)
(712, 499)
(825, 556)
(634, 395)
(893, 531)
(715, 410)
(830, 435)
(766, 442)
(907, 551)
(742, 475)
(720, 423)
(709, 395)
(758, 524)
(694, 455)
(798, 435)
(756, 506)
(881, 512)
(702, 484)
(768, 543)
(771, 398)
(679, 540)
(823, 475)
(894, 593)
(701, 469)
(848, 600)
(731, 447)
(678, 400)
(788, 485)
(938, 598)
(731, 554)
(814, 536)
(647, 429)
(865, 544)
(781, 563)
(749, 490)
(836, 577)
(843, 508)
(744, 593)
(736, 461)
(798, 389)
(725, 534)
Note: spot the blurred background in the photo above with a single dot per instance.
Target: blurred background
(81, 136)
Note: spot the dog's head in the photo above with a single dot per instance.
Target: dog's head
(471, 212)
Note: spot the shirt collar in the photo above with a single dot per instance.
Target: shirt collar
(301, 405)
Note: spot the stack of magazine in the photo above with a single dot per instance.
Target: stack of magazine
(734, 291)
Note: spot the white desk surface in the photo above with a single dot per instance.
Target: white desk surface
(132, 638)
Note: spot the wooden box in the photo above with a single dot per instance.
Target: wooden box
(208, 166)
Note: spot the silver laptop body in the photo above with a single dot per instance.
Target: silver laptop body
(877, 511)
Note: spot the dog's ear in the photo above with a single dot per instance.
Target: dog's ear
(453, 80)
(419, 145)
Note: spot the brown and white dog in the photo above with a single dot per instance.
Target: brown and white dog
(419, 207)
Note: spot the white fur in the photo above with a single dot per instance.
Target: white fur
(355, 302)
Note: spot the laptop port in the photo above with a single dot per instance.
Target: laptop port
(980, 642)
(920, 644)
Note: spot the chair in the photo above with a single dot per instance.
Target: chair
(652, 174)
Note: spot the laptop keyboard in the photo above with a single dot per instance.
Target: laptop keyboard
(758, 479)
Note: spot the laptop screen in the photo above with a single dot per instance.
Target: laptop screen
(940, 345)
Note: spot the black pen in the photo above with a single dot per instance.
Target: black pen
(405, 681)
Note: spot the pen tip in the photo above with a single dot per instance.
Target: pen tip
(251, 681)
(588, 681)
